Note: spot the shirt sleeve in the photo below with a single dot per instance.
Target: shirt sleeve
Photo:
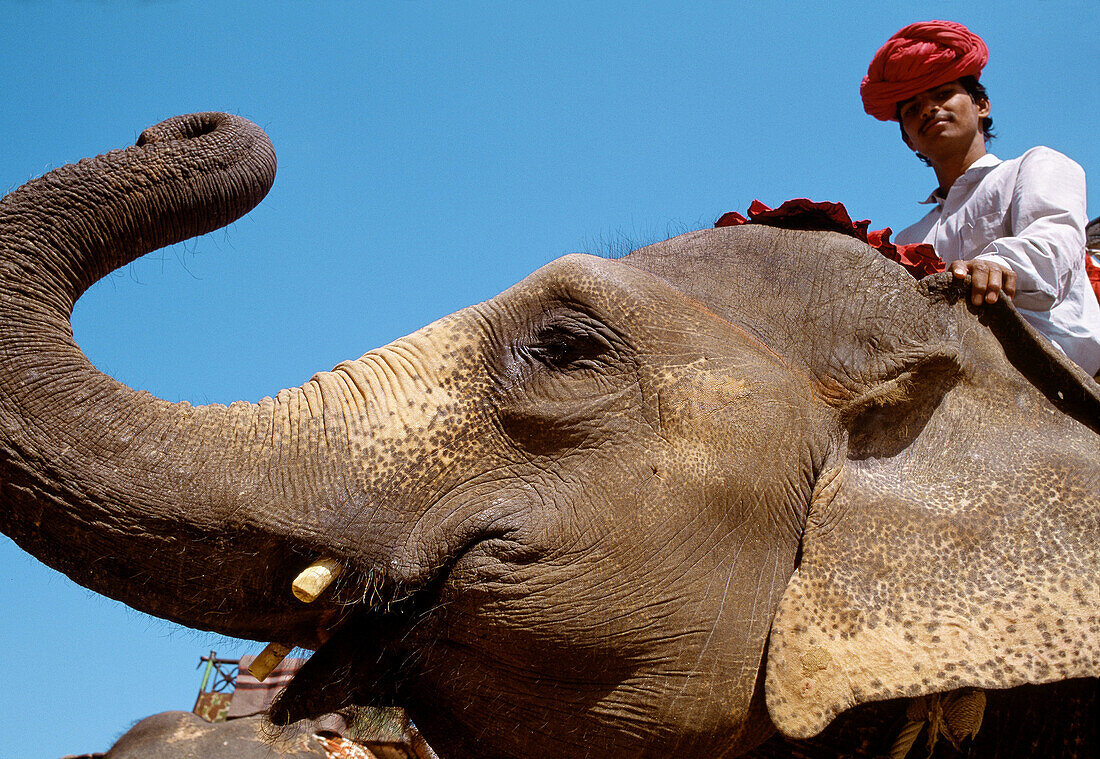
(1047, 221)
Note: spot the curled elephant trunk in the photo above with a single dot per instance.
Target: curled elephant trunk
(202, 515)
(185, 177)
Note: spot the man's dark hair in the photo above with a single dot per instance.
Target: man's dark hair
(977, 93)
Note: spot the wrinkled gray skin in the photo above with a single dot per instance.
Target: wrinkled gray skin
(572, 516)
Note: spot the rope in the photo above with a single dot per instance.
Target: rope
(955, 716)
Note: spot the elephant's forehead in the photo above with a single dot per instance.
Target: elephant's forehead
(618, 290)
(625, 297)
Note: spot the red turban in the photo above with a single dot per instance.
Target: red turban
(919, 57)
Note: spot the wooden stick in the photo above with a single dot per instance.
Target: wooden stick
(313, 580)
(270, 658)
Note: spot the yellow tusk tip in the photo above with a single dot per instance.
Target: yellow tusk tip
(313, 580)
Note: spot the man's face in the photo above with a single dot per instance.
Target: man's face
(942, 120)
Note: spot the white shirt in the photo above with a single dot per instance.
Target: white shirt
(1027, 214)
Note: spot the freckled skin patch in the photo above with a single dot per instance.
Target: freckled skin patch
(814, 660)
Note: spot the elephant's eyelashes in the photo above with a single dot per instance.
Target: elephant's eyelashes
(568, 346)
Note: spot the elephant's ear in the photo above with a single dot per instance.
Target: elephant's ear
(953, 542)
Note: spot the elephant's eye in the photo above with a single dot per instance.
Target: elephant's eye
(568, 346)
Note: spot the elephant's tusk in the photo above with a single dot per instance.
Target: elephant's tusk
(270, 658)
(313, 580)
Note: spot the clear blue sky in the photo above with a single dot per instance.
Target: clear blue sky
(430, 155)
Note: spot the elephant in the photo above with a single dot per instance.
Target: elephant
(183, 735)
(719, 496)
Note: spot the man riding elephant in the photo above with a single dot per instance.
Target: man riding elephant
(1016, 227)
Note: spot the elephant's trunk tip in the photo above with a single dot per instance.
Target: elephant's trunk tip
(186, 127)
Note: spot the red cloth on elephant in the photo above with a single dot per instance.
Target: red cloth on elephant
(802, 213)
(1094, 274)
(918, 57)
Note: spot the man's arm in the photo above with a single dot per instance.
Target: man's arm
(1047, 219)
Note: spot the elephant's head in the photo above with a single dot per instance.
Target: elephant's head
(183, 735)
(745, 478)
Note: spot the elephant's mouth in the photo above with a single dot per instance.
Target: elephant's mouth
(356, 666)
(365, 658)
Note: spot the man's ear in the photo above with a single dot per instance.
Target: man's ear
(951, 542)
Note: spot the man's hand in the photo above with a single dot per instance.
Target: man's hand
(987, 279)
